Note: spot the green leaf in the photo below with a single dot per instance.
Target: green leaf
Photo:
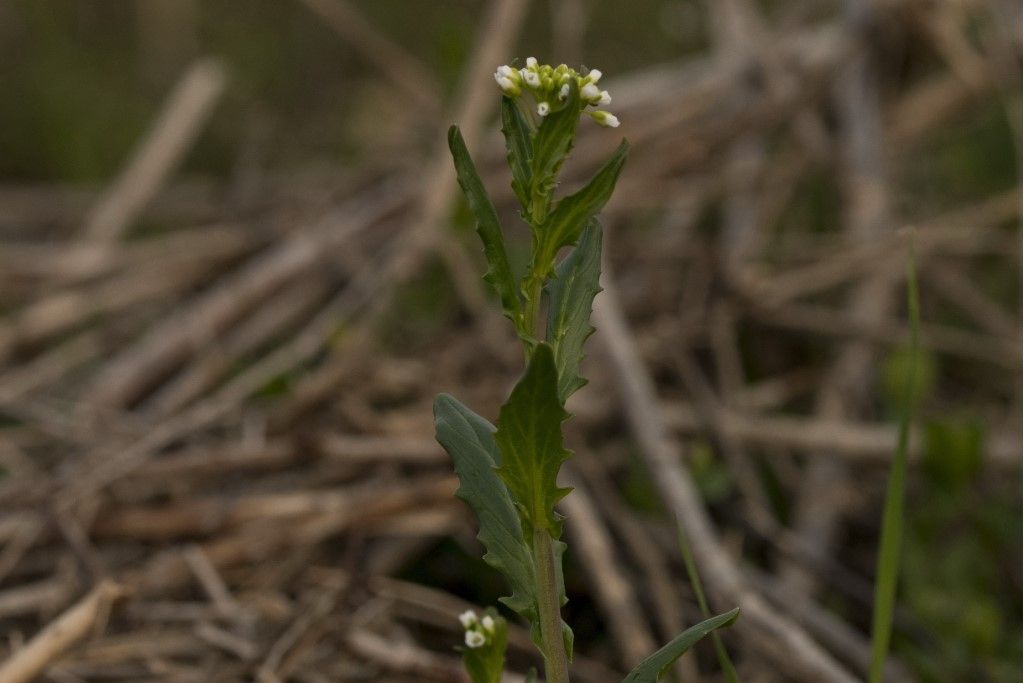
(485, 664)
(499, 272)
(552, 144)
(573, 213)
(519, 147)
(530, 439)
(572, 294)
(654, 667)
(469, 440)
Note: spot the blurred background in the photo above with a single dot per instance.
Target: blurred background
(235, 270)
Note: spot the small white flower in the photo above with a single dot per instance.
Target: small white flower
(531, 62)
(590, 93)
(604, 118)
(564, 92)
(532, 78)
(475, 639)
(594, 75)
(605, 98)
(508, 72)
(467, 618)
(543, 109)
(488, 623)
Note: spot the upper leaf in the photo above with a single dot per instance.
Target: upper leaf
(572, 294)
(499, 272)
(552, 144)
(469, 440)
(654, 667)
(564, 225)
(519, 149)
(530, 439)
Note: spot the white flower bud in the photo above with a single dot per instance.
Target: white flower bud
(543, 109)
(563, 92)
(531, 62)
(475, 639)
(594, 75)
(605, 119)
(508, 72)
(605, 98)
(488, 623)
(467, 618)
(532, 78)
(590, 93)
(507, 86)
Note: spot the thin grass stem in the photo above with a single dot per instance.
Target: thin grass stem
(728, 670)
(887, 573)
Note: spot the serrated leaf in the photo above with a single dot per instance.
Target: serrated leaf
(551, 145)
(574, 212)
(529, 436)
(499, 272)
(572, 294)
(654, 667)
(519, 148)
(469, 441)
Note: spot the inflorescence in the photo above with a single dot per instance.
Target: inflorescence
(478, 631)
(550, 87)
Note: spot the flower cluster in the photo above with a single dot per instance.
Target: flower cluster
(550, 87)
(478, 631)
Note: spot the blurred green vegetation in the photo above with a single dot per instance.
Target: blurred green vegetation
(83, 78)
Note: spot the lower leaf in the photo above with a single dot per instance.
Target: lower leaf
(654, 667)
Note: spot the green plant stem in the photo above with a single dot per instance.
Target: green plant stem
(556, 666)
(533, 289)
(728, 670)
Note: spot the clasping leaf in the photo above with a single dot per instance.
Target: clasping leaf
(572, 294)
(469, 440)
(572, 214)
(530, 439)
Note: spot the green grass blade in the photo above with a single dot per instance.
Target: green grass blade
(892, 517)
(728, 670)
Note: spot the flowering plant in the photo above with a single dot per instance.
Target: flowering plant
(508, 473)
